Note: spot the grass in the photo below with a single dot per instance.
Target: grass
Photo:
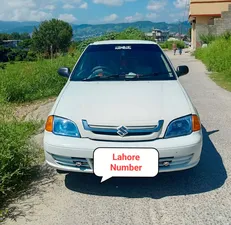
(18, 155)
(23, 82)
(28, 81)
(217, 58)
(223, 79)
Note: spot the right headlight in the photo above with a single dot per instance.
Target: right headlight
(62, 127)
(183, 126)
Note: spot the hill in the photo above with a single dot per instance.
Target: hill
(87, 30)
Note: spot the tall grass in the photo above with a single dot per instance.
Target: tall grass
(217, 58)
(27, 81)
(168, 44)
(17, 154)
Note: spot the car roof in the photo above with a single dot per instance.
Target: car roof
(108, 42)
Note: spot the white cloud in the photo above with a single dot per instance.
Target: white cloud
(156, 5)
(68, 18)
(50, 7)
(110, 18)
(68, 6)
(136, 17)
(19, 4)
(112, 2)
(84, 5)
(181, 3)
(151, 16)
(24, 10)
(109, 2)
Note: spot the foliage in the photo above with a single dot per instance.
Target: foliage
(16, 153)
(223, 79)
(168, 44)
(52, 36)
(217, 58)
(217, 55)
(25, 44)
(3, 54)
(131, 33)
(27, 81)
(14, 36)
(207, 39)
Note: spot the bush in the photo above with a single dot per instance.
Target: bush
(217, 56)
(31, 56)
(16, 153)
(207, 39)
(27, 81)
(168, 44)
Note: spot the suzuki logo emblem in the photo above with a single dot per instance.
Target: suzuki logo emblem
(122, 131)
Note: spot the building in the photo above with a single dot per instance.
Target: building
(160, 35)
(209, 17)
(10, 43)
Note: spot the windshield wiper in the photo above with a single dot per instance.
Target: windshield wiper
(148, 75)
(99, 77)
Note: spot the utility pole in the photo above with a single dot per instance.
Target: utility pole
(51, 49)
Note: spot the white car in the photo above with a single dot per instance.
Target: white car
(123, 94)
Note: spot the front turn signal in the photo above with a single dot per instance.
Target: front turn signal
(196, 124)
(49, 124)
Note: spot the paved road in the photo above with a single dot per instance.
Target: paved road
(198, 196)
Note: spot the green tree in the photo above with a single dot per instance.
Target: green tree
(4, 36)
(15, 36)
(25, 43)
(24, 36)
(52, 36)
(131, 33)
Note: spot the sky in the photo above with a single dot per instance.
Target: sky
(94, 11)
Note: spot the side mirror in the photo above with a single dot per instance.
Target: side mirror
(182, 70)
(64, 72)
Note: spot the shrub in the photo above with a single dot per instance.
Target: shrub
(31, 56)
(27, 81)
(217, 56)
(168, 44)
(207, 39)
(16, 153)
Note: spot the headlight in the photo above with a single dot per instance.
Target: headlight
(61, 126)
(180, 127)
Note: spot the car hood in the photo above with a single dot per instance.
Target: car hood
(131, 103)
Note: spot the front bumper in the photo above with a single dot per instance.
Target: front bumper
(63, 153)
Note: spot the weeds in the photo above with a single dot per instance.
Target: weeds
(28, 81)
(217, 58)
(17, 154)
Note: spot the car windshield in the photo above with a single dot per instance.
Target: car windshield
(117, 62)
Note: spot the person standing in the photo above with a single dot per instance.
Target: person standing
(174, 47)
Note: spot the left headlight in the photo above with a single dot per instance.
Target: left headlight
(183, 126)
(62, 126)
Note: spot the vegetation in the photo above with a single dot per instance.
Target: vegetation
(52, 37)
(207, 39)
(14, 36)
(28, 81)
(17, 154)
(217, 57)
(168, 44)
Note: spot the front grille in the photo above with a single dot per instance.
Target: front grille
(87, 164)
(80, 163)
(122, 132)
(175, 161)
(116, 134)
